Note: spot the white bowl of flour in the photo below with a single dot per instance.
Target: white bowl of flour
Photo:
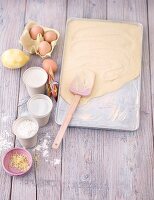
(26, 128)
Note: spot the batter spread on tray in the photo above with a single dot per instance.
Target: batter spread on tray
(111, 50)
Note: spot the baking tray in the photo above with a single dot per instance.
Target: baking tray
(118, 110)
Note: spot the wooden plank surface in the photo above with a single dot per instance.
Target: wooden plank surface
(82, 170)
(135, 154)
(10, 28)
(112, 165)
(150, 8)
(23, 187)
(136, 150)
(91, 164)
(134, 175)
(45, 180)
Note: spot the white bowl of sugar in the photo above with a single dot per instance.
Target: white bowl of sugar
(26, 128)
(39, 107)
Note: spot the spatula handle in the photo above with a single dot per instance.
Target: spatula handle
(66, 121)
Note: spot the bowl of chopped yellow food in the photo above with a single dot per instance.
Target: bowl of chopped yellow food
(17, 161)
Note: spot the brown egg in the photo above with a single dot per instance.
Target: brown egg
(50, 36)
(44, 48)
(49, 65)
(35, 30)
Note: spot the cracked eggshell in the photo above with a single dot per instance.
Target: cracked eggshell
(31, 45)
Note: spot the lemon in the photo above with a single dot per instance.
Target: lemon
(14, 58)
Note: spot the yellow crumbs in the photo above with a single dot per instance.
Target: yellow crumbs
(19, 162)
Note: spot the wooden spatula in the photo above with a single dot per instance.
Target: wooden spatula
(81, 86)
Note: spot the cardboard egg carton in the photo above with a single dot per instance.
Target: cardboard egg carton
(31, 45)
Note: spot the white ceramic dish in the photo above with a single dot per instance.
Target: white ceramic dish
(35, 79)
(40, 106)
(25, 142)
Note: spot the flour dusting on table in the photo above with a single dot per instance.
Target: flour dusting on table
(43, 149)
(4, 143)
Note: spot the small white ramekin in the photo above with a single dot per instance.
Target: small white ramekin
(26, 142)
(37, 89)
(44, 118)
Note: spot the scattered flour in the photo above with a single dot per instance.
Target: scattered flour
(4, 143)
(5, 118)
(57, 161)
(45, 153)
(44, 149)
